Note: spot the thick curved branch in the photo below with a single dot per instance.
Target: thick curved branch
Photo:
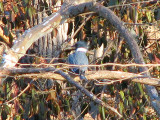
(138, 58)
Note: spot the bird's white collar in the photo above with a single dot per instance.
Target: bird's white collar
(81, 49)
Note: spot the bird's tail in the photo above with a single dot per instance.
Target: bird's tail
(82, 77)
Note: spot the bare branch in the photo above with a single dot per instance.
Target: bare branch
(50, 73)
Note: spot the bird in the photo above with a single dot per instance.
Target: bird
(79, 58)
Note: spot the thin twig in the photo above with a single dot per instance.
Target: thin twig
(28, 86)
(82, 111)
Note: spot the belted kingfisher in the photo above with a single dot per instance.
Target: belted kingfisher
(79, 58)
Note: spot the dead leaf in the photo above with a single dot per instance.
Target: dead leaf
(88, 117)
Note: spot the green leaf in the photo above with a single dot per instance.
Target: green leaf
(24, 95)
(0, 110)
(25, 3)
(1, 7)
(112, 89)
(7, 109)
(17, 117)
(140, 15)
(42, 108)
(103, 113)
(122, 95)
(34, 105)
(67, 105)
(130, 100)
(121, 107)
(6, 32)
(133, 14)
(126, 102)
(125, 69)
(15, 8)
(141, 89)
(113, 2)
(149, 17)
(144, 117)
(158, 14)
(8, 90)
(57, 108)
(26, 9)
(141, 32)
(33, 11)
(33, 93)
(10, 37)
(30, 12)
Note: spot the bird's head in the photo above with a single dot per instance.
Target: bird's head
(81, 46)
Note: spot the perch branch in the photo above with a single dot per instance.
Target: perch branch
(50, 73)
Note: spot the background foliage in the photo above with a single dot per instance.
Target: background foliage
(48, 99)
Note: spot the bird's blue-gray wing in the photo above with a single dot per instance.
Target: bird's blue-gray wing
(81, 59)
(78, 58)
(72, 60)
